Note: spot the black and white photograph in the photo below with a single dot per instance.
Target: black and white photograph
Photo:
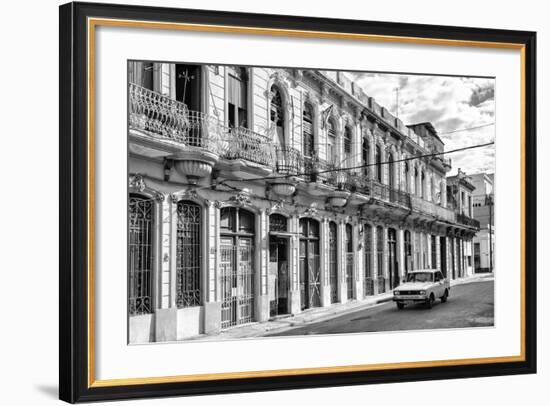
(273, 201)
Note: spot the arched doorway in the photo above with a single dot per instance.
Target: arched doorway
(393, 266)
(408, 252)
(278, 277)
(368, 287)
(333, 260)
(310, 275)
(379, 259)
(236, 266)
(349, 261)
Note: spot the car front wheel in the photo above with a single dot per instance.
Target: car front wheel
(445, 296)
(400, 305)
(430, 301)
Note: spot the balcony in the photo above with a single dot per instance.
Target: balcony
(429, 208)
(157, 115)
(166, 119)
(467, 221)
(250, 146)
(166, 127)
(288, 160)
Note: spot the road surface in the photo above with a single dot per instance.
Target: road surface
(469, 305)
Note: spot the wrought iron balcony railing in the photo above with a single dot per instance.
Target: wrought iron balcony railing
(288, 160)
(319, 170)
(467, 221)
(424, 206)
(169, 119)
(249, 145)
(150, 111)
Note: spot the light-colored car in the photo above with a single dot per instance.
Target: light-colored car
(422, 286)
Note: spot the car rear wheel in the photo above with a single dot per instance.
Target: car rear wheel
(430, 301)
(445, 296)
(400, 305)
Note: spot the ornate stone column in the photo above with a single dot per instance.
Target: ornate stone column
(325, 278)
(261, 262)
(374, 243)
(213, 296)
(385, 267)
(401, 252)
(359, 259)
(429, 250)
(438, 252)
(342, 285)
(294, 264)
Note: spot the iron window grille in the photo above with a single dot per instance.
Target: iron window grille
(140, 261)
(188, 253)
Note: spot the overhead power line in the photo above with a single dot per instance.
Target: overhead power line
(365, 165)
(467, 129)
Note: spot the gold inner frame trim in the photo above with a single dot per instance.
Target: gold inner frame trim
(94, 22)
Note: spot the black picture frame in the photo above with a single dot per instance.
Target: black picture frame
(74, 384)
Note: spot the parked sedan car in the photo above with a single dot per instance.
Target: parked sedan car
(422, 286)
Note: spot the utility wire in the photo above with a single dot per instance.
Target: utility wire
(363, 166)
(466, 129)
(213, 185)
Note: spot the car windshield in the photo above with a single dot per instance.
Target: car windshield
(420, 277)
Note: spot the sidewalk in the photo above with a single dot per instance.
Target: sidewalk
(317, 314)
(477, 277)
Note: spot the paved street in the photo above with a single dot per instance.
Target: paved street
(469, 305)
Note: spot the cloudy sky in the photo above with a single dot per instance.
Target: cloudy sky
(450, 104)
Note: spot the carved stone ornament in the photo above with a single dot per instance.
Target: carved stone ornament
(276, 207)
(137, 182)
(188, 194)
(312, 210)
(241, 198)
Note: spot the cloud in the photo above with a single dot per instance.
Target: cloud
(481, 95)
(449, 103)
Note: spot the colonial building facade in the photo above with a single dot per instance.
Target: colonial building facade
(484, 212)
(259, 192)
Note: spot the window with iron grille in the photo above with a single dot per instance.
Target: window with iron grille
(416, 191)
(331, 141)
(276, 112)
(391, 169)
(140, 261)
(277, 222)
(407, 178)
(188, 253)
(365, 156)
(347, 142)
(378, 164)
(277, 115)
(308, 138)
(422, 184)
